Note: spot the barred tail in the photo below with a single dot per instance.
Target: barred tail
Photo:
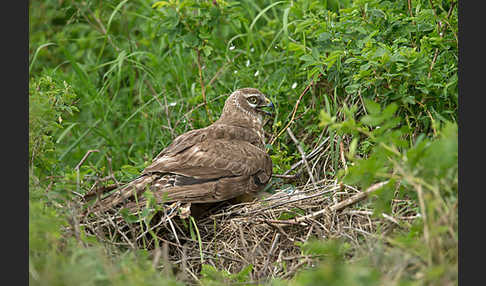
(137, 186)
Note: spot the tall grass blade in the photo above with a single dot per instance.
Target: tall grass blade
(34, 58)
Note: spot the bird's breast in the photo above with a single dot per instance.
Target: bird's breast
(253, 135)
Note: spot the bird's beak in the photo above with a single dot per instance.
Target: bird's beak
(269, 104)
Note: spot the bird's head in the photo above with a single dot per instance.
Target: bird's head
(249, 102)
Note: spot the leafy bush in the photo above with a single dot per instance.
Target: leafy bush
(50, 102)
(426, 171)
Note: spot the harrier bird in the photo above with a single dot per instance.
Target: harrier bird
(225, 160)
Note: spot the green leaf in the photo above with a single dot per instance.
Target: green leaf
(352, 148)
(372, 120)
(210, 273)
(371, 106)
(160, 4)
(325, 119)
(291, 214)
(352, 88)
(334, 250)
(207, 50)
(307, 58)
(384, 196)
(390, 110)
(131, 170)
(127, 216)
(146, 214)
(190, 40)
(244, 274)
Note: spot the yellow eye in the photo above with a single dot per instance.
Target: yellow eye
(252, 100)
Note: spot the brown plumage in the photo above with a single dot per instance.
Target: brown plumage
(222, 161)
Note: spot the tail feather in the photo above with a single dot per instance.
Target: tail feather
(167, 188)
(137, 186)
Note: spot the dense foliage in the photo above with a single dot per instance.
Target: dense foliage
(125, 77)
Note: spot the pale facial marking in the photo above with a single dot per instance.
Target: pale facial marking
(254, 115)
(253, 105)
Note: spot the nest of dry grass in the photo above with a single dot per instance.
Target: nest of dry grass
(262, 233)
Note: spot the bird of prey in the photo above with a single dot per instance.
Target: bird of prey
(224, 160)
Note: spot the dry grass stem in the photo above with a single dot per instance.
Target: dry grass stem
(302, 153)
(261, 233)
(292, 118)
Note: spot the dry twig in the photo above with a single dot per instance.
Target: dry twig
(201, 82)
(258, 233)
(302, 154)
(292, 117)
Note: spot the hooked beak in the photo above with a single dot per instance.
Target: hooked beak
(268, 105)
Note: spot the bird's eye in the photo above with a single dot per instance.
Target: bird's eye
(252, 100)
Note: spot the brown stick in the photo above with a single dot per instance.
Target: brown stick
(343, 160)
(84, 158)
(284, 176)
(157, 255)
(221, 69)
(441, 34)
(163, 106)
(295, 268)
(339, 206)
(101, 28)
(201, 82)
(433, 62)
(99, 191)
(302, 154)
(272, 249)
(311, 156)
(194, 108)
(426, 225)
(410, 8)
(295, 110)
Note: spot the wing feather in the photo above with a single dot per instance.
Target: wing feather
(211, 164)
(212, 159)
(212, 132)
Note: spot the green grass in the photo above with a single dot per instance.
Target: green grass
(122, 77)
